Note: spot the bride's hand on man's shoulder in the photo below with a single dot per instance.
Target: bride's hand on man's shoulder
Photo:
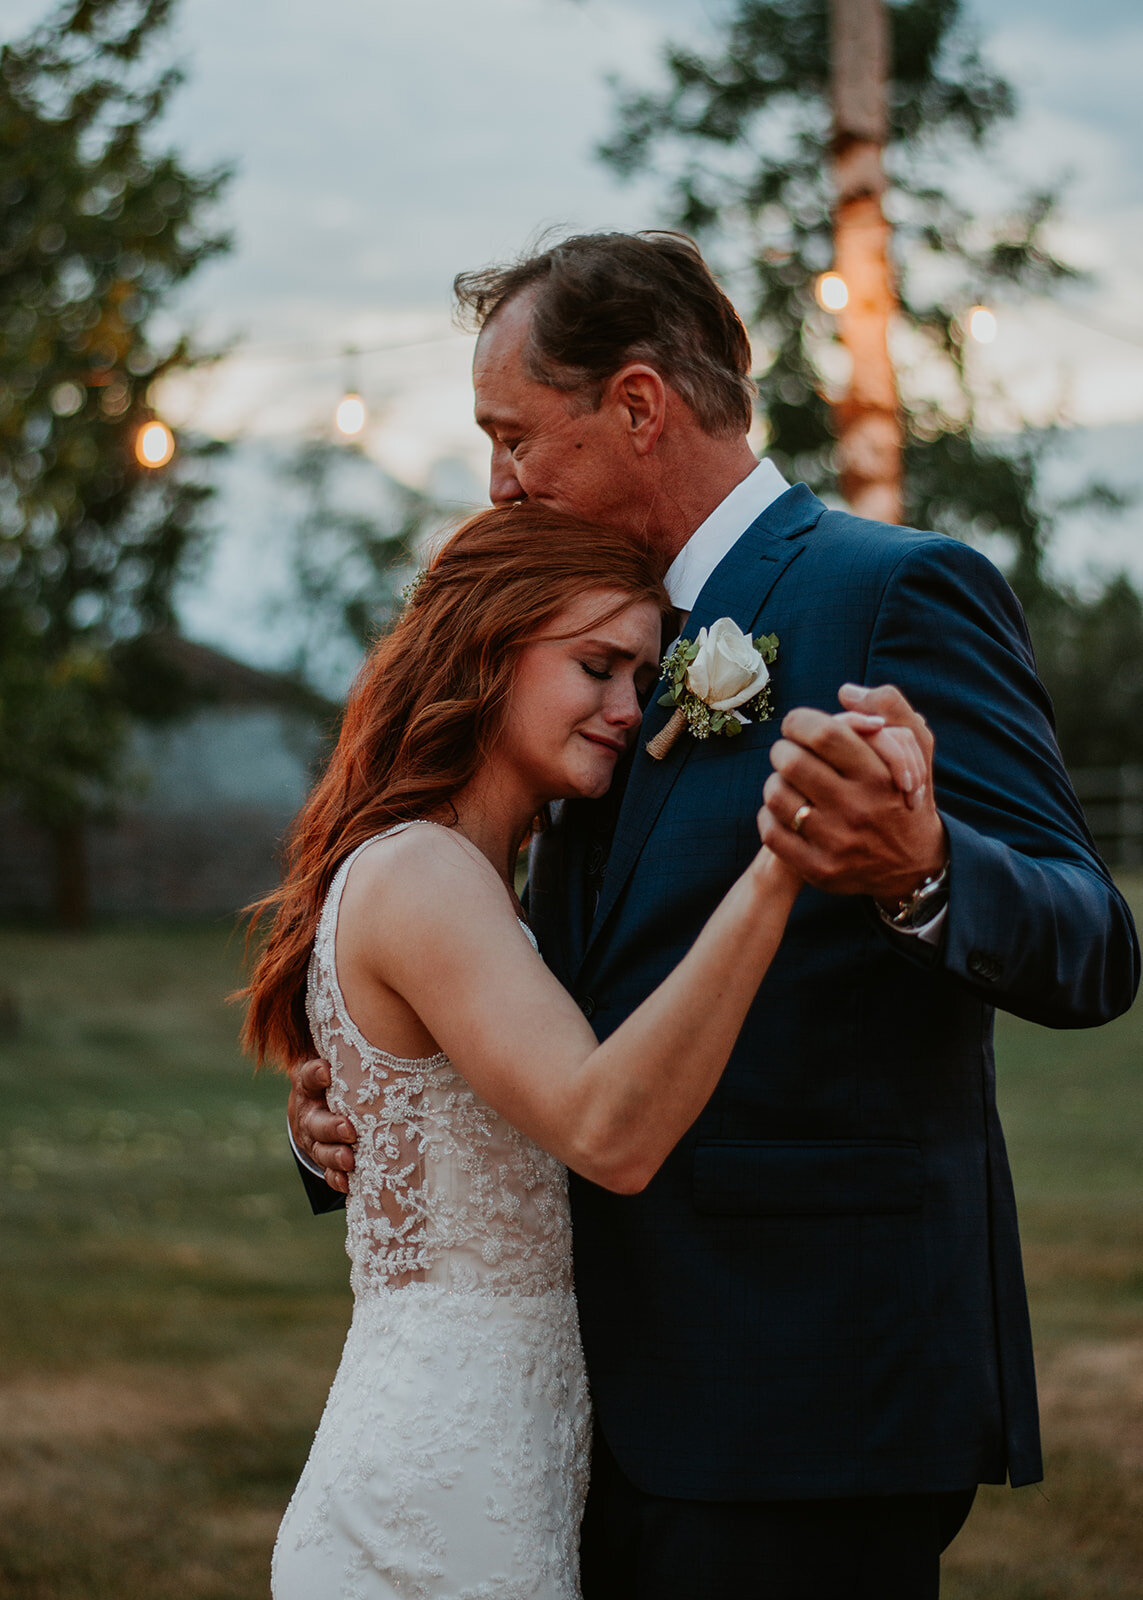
(322, 1136)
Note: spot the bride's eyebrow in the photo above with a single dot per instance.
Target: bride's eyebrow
(617, 652)
(599, 643)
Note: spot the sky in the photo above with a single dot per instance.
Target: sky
(380, 147)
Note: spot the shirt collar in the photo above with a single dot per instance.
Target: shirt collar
(718, 535)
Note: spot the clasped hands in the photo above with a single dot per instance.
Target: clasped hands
(849, 806)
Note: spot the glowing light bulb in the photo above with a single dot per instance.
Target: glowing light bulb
(982, 324)
(832, 292)
(66, 399)
(154, 444)
(350, 415)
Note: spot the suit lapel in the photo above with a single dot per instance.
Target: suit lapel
(738, 587)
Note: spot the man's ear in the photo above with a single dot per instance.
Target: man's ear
(640, 396)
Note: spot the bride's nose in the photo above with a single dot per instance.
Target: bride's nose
(623, 709)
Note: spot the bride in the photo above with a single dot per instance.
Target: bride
(451, 1459)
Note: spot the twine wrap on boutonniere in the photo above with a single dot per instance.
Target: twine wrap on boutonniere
(717, 683)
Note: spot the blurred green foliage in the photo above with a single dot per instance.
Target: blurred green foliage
(349, 559)
(741, 134)
(97, 230)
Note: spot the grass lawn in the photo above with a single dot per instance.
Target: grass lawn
(1072, 1107)
(171, 1314)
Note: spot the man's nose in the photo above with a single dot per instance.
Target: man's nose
(503, 484)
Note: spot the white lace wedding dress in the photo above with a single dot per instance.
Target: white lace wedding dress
(451, 1459)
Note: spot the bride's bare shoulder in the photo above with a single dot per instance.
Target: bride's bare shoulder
(418, 877)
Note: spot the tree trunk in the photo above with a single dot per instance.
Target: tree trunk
(867, 418)
(72, 887)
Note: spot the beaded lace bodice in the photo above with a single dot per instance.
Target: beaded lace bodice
(451, 1460)
(445, 1191)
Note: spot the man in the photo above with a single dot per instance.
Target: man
(807, 1339)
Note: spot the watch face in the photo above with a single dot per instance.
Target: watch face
(926, 905)
(922, 905)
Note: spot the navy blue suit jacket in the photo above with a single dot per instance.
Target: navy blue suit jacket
(820, 1293)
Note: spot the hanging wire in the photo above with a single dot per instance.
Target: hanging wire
(295, 351)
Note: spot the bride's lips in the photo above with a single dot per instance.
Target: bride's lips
(616, 745)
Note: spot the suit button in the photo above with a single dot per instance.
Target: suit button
(984, 966)
(587, 1006)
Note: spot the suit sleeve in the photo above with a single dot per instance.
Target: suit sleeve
(1035, 924)
(319, 1194)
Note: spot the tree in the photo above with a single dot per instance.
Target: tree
(1090, 650)
(97, 229)
(354, 545)
(867, 416)
(742, 134)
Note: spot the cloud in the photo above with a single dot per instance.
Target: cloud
(379, 151)
(1080, 111)
(383, 148)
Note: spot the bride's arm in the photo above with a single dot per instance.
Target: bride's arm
(425, 918)
(324, 1141)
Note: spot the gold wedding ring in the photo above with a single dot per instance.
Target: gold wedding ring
(798, 820)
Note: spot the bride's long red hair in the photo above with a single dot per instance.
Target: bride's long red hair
(424, 712)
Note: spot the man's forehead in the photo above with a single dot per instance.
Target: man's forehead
(511, 319)
(502, 385)
(501, 341)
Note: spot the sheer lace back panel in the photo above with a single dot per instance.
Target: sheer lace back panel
(444, 1191)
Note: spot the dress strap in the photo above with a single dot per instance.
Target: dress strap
(325, 963)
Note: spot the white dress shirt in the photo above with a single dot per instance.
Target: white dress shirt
(721, 531)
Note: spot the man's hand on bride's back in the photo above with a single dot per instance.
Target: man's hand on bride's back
(323, 1136)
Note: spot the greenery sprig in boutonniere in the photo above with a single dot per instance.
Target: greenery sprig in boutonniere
(717, 683)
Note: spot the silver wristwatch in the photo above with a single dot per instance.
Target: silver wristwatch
(922, 905)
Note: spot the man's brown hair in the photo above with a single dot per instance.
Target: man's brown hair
(604, 299)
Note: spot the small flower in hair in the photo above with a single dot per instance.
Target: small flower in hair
(409, 592)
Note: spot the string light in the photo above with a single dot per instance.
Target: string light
(982, 324)
(832, 292)
(308, 352)
(155, 448)
(154, 444)
(350, 415)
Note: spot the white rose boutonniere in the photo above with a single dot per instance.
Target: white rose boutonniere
(717, 683)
